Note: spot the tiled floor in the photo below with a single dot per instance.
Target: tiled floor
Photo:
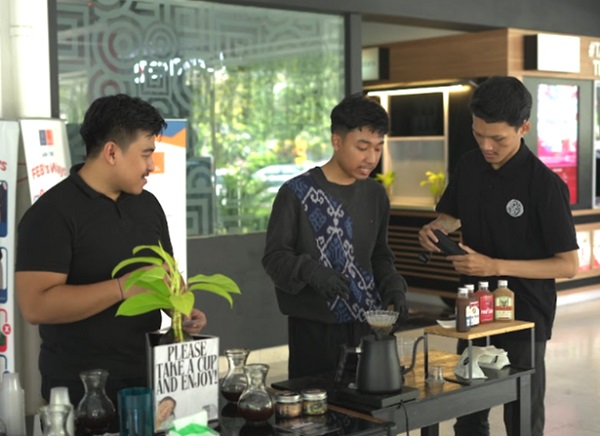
(572, 369)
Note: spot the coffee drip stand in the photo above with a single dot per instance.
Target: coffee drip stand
(377, 378)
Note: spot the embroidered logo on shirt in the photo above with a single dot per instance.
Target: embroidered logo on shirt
(514, 208)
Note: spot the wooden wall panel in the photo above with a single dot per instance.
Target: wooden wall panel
(448, 58)
(471, 55)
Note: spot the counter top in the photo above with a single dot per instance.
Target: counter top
(481, 330)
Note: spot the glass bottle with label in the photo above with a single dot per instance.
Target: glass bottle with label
(463, 320)
(504, 302)
(486, 303)
(473, 305)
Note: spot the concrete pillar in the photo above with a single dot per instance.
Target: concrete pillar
(5, 57)
(25, 93)
(29, 59)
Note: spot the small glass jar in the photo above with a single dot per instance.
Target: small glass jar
(314, 401)
(288, 404)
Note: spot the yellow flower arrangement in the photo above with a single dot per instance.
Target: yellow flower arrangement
(386, 179)
(436, 182)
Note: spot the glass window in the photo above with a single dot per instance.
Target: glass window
(255, 85)
(411, 159)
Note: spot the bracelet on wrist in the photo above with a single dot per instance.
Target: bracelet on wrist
(120, 290)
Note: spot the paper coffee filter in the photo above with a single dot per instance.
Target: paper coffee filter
(381, 321)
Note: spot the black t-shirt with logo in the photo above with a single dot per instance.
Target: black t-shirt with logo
(74, 230)
(520, 211)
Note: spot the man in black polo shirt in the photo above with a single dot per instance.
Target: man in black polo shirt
(516, 224)
(70, 240)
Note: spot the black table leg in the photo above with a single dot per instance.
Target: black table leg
(522, 413)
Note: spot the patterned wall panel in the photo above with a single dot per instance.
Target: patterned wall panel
(168, 52)
(200, 193)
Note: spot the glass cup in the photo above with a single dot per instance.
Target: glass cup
(405, 350)
(54, 419)
(60, 395)
(136, 416)
(435, 375)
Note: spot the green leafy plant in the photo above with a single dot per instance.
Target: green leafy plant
(436, 182)
(166, 289)
(386, 179)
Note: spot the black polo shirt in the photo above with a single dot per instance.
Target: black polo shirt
(520, 211)
(77, 231)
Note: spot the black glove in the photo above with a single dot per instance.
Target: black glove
(329, 283)
(397, 298)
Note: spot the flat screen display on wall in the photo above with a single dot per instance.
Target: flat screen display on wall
(557, 131)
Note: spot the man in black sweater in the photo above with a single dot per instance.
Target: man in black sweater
(326, 247)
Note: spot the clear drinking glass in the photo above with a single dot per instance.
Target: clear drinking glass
(54, 419)
(405, 350)
(235, 381)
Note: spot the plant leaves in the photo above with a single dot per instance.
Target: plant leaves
(154, 285)
(386, 178)
(216, 279)
(212, 288)
(151, 280)
(158, 249)
(151, 274)
(143, 303)
(132, 260)
(183, 303)
(164, 285)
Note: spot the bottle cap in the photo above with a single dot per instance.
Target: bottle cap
(314, 394)
(463, 292)
(288, 397)
(502, 283)
(484, 284)
(470, 287)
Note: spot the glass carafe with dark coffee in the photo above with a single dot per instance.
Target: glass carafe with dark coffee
(95, 411)
(235, 381)
(255, 403)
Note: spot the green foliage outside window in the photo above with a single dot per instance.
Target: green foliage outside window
(256, 85)
(275, 113)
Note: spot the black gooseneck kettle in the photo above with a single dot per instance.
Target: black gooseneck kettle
(378, 370)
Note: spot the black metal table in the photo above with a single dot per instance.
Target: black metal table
(337, 421)
(450, 400)
(440, 403)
